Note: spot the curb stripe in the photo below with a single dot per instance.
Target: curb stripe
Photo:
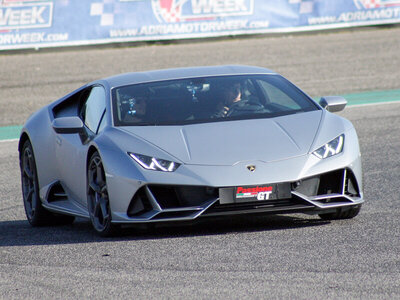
(374, 97)
(10, 132)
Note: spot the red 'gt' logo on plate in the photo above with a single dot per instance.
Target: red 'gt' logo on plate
(261, 192)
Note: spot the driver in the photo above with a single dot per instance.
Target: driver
(231, 102)
(230, 95)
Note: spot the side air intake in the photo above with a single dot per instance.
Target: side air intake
(56, 193)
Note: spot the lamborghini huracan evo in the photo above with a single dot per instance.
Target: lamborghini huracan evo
(182, 144)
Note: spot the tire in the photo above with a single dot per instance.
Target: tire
(36, 214)
(342, 213)
(97, 197)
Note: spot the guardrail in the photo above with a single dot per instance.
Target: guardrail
(53, 23)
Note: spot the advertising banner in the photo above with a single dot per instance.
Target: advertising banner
(52, 23)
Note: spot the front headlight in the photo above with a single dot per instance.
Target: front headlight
(155, 164)
(329, 149)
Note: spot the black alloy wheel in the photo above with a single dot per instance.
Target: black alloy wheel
(36, 214)
(97, 195)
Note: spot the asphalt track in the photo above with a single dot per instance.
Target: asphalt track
(287, 256)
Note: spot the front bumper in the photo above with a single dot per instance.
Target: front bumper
(320, 193)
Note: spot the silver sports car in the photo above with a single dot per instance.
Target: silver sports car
(182, 144)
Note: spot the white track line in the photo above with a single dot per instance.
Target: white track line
(372, 104)
(9, 140)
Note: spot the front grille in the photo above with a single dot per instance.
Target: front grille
(169, 197)
(182, 196)
(259, 206)
(175, 214)
(174, 201)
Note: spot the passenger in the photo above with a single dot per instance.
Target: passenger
(137, 110)
(136, 106)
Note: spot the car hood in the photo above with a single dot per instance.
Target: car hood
(232, 142)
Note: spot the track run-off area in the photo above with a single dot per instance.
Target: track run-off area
(272, 257)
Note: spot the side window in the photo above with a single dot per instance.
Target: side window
(277, 96)
(93, 108)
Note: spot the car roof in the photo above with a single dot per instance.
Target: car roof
(181, 73)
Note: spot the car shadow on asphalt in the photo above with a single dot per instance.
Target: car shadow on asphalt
(20, 233)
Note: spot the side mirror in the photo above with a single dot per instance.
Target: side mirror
(68, 125)
(333, 103)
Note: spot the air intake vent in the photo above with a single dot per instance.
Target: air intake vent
(140, 204)
(182, 196)
(56, 193)
(351, 186)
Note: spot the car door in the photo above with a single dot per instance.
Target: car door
(71, 149)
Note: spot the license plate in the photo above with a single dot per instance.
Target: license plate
(262, 192)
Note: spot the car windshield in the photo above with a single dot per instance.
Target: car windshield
(207, 99)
